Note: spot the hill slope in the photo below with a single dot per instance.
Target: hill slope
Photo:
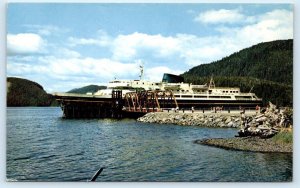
(89, 88)
(22, 92)
(267, 67)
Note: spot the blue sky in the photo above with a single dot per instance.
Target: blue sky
(64, 46)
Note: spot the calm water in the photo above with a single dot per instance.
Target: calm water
(41, 146)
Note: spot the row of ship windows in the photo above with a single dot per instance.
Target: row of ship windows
(151, 84)
(199, 96)
(136, 83)
(223, 97)
(188, 90)
(231, 91)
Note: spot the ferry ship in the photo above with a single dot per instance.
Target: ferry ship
(187, 95)
(122, 97)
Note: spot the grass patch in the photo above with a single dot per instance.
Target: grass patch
(283, 137)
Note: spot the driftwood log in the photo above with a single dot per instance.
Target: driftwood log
(266, 124)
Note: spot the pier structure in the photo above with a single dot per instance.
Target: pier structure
(149, 101)
(132, 105)
(90, 106)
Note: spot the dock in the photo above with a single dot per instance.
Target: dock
(132, 105)
(90, 106)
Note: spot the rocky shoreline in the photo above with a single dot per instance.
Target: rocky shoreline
(255, 129)
(254, 144)
(224, 119)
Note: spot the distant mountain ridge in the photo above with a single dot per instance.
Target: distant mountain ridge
(23, 92)
(266, 69)
(86, 89)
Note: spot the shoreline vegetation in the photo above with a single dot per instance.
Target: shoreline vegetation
(269, 130)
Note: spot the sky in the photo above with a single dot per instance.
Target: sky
(65, 46)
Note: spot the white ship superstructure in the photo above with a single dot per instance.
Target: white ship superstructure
(186, 94)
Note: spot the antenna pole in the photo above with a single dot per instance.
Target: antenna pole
(251, 89)
(211, 83)
(141, 72)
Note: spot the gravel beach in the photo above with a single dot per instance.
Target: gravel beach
(254, 144)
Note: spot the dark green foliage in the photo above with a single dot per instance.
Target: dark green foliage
(86, 89)
(22, 92)
(267, 67)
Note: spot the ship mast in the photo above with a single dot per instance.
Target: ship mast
(141, 72)
(211, 83)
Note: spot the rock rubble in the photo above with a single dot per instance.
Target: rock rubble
(267, 124)
(193, 119)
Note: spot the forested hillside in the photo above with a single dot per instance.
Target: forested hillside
(267, 67)
(86, 89)
(22, 92)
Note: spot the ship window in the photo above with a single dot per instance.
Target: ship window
(186, 96)
(199, 96)
(182, 90)
(220, 97)
(177, 95)
(243, 97)
(223, 91)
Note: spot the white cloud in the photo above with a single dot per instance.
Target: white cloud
(45, 30)
(64, 71)
(102, 39)
(25, 43)
(274, 25)
(193, 50)
(132, 45)
(65, 53)
(220, 16)
(156, 73)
